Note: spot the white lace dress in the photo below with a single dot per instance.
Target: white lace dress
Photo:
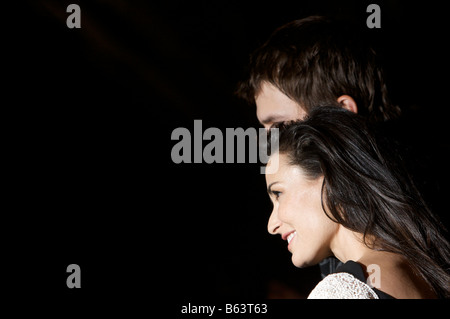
(342, 285)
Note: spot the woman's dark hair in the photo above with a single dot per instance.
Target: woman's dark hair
(314, 61)
(367, 189)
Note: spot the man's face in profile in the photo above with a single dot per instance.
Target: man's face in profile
(273, 106)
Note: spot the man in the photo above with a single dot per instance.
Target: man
(316, 62)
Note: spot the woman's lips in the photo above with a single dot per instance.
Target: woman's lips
(285, 235)
(289, 236)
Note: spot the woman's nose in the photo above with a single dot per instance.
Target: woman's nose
(274, 223)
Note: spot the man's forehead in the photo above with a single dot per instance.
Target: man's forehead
(273, 106)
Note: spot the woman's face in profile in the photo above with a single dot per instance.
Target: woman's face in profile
(297, 213)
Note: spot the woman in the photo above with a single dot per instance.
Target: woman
(339, 191)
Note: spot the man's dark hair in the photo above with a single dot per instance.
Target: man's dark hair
(317, 59)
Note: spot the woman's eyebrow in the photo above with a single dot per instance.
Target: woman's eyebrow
(269, 188)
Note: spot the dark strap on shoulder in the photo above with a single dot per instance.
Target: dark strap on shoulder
(352, 268)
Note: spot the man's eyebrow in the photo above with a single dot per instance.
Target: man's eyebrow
(271, 119)
(269, 188)
(267, 120)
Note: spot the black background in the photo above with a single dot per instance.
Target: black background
(93, 110)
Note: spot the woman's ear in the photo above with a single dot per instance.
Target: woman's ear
(347, 102)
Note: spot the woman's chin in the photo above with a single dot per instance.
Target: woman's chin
(300, 261)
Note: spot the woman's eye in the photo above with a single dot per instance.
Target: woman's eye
(276, 194)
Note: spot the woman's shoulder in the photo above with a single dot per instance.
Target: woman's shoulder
(348, 282)
(342, 285)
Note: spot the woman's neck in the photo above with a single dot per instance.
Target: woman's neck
(348, 245)
(396, 276)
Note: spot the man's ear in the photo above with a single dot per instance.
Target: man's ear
(347, 102)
